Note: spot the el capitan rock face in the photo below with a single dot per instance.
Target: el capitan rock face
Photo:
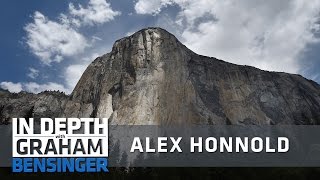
(151, 78)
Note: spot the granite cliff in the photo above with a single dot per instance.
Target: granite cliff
(152, 78)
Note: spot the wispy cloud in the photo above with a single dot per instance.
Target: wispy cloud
(33, 73)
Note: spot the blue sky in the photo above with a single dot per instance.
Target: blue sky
(48, 44)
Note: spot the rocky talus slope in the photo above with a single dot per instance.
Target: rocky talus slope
(27, 105)
(151, 78)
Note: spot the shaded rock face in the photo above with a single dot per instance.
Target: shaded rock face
(27, 105)
(151, 78)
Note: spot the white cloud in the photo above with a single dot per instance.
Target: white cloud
(51, 41)
(151, 6)
(73, 74)
(12, 87)
(36, 88)
(271, 35)
(97, 12)
(33, 73)
(33, 87)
